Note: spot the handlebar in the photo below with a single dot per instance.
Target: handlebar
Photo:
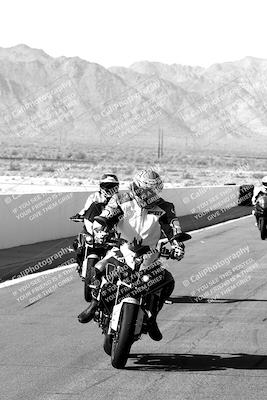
(76, 218)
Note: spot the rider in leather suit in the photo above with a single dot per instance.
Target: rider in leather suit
(140, 214)
(108, 186)
(258, 191)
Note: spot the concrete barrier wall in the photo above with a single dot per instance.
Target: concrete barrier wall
(193, 200)
(32, 218)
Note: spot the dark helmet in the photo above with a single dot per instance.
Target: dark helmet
(109, 185)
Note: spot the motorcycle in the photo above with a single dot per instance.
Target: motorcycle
(90, 251)
(127, 295)
(261, 215)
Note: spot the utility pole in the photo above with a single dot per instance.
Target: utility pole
(161, 150)
(160, 143)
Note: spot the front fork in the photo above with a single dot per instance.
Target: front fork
(116, 313)
(89, 262)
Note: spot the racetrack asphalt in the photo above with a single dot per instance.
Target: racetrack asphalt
(211, 348)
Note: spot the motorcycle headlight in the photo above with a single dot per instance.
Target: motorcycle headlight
(88, 239)
(145, 278)
(100, 235)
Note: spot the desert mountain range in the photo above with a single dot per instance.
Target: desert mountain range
(222, 107)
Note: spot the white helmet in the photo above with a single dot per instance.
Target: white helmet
(146, 186)
(264, 181)
(148, 179)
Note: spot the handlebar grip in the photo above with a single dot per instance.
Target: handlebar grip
(166, 253)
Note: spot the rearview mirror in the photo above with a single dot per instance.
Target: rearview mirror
(182, 237)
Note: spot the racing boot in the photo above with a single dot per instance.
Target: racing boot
(79, 255)
(153, 330)
(79, 260)
(157, 302)
(88, 314)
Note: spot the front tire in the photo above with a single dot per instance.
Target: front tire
(124, 338)
(262, 228)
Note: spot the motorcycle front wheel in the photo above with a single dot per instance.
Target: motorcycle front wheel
(124, 337)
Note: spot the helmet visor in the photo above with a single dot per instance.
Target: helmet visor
(108, 185)
(145, 197)
(108, 189)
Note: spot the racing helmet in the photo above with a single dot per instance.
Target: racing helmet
(264, 183)
(109, 185)
(146, 186)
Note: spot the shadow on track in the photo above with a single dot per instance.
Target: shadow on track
(195, 299)
(197, 362)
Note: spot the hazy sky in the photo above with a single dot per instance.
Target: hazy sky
(120, 32)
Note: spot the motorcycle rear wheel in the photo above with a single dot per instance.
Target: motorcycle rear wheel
(262, 228)
(124, 339)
